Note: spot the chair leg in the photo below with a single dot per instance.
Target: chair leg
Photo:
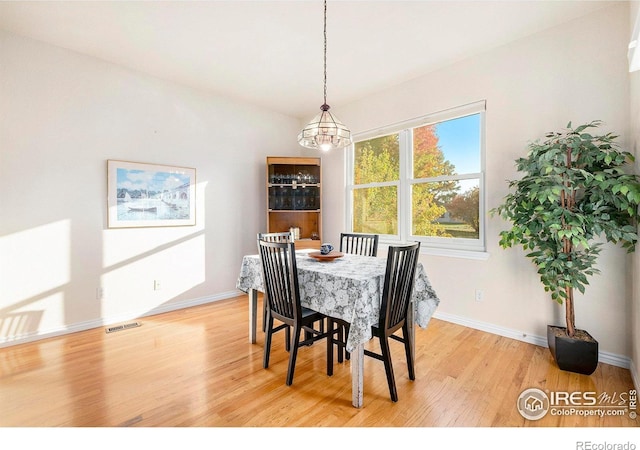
(408, 352)
(267, 343)
(388, 367)
(341, 338)
(292, 355)
(287, 339)
(330, 347)
(265, 313)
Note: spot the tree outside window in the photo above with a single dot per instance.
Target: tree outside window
(376, 208)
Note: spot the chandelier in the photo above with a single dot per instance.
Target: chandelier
(325, 131)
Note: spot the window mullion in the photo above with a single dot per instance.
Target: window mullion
(483, 196)
(349, 165)
(466, 176)
(406, 171)
(370, 185)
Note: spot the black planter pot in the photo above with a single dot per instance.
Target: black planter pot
(579, 355)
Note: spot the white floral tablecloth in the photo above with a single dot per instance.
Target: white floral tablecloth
(347, 288)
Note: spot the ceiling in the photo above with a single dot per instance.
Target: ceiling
(270, 53)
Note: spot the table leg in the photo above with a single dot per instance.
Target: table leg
(253, 313)
(357, 379)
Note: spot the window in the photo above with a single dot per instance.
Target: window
(421, 180)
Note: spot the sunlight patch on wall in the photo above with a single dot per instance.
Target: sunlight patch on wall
(122, 245)
(153, 278)
(45, 313)
(33, 263)
(34, 270)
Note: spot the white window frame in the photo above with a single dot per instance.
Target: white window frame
(456, 247)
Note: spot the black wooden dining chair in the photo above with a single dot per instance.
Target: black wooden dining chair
(280, 276)
(356, 244)
(285, 236)
(359, 244)
(396, 298)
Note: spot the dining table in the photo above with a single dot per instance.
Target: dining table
(348, 287)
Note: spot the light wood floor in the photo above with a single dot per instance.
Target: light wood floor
(196, 368)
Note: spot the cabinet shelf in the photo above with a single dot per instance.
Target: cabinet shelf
(293, 210)
(297, 185)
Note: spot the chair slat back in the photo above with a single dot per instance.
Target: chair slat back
(285, 236)
(398, 285)
(359, 244)
(280, 277)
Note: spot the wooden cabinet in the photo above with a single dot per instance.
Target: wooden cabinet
(294, 198)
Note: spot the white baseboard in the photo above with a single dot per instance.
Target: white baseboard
(193, 302)
(83, 326)
(604, 357)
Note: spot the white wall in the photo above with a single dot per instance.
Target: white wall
(576, 72)
(62, 115)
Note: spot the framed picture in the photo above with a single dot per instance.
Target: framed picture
(150, 195)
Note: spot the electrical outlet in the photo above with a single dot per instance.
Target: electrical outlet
(156, 285)
(479, 295)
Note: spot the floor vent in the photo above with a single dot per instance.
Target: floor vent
(126, 326)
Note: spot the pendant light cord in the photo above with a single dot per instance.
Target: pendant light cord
(325, 52)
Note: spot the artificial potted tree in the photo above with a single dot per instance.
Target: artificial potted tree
(575, 191)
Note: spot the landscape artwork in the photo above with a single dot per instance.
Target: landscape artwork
(150, 195)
